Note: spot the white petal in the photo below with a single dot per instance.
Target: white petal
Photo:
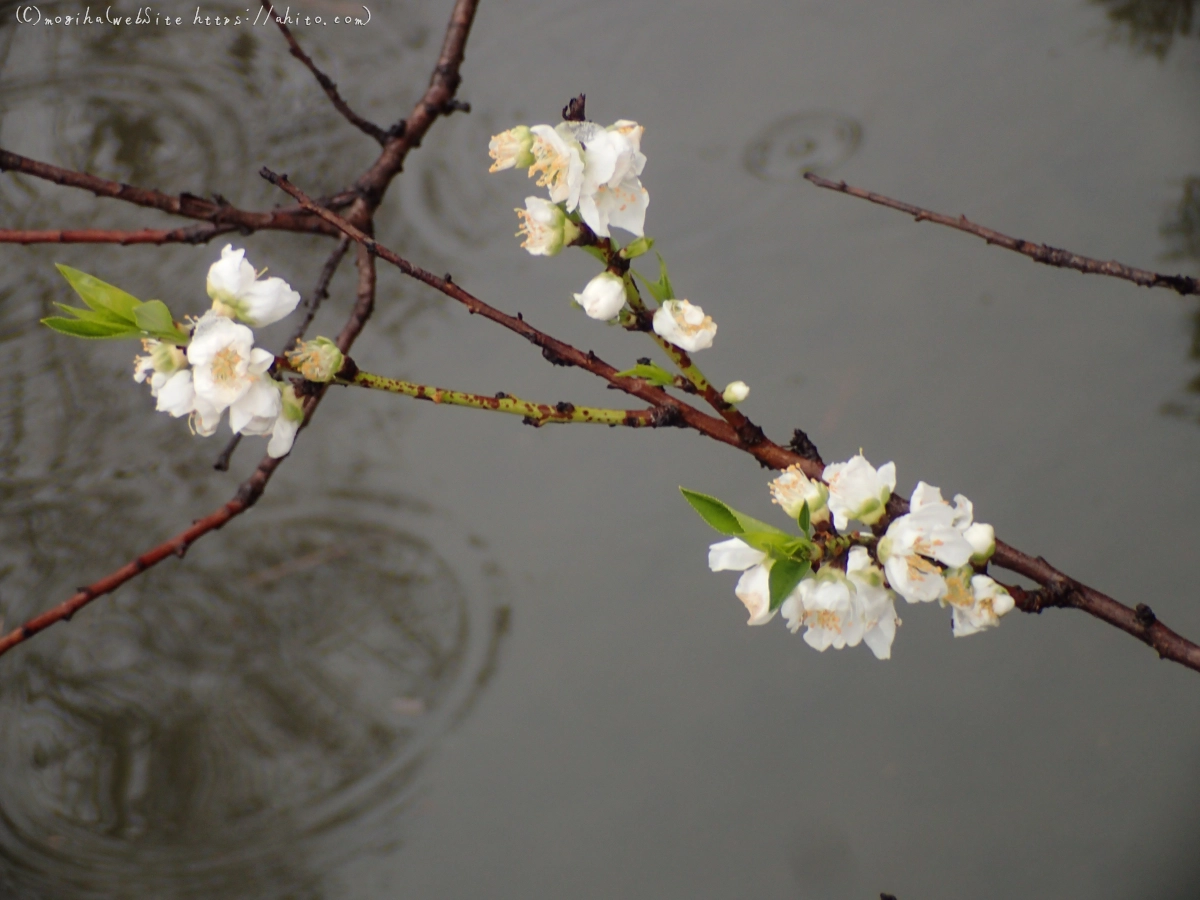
(733, 554)
(754, 590)
(177, 396)
(282, 436)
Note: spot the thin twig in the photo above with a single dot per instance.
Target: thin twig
(560, 352)
(536, 414)
(187, 205)
(327, 84)
(1042, 253)
(319, 293)
(193, 234)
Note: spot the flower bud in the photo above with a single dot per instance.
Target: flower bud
(317, 360)
(603, 297)
(735, 392)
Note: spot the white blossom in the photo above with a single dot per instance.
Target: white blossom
(684, 325)
(976, 601)
(162, 360)
(858, 491)
(237, 291)
(291, 417)
(511, 149)
(545, 227)
(793, 489)
(227, 374)
(753, 588)
(558, 163)
(603, 296)
(914, 541)
(176, 395)
(610, 192)
(875, 603)
(735, 392)
(829, 611)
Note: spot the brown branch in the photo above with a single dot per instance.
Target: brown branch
(327, 84)
(193, 234)
(1042, 253)
(187, 205)
(560, 352)
(436, 101)
(1061, 590)
(1058, 585)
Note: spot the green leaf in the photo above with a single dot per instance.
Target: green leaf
(804, 520)
(749, 523)
(100, 295)
(714, 512)
(652, 373)
(662, 289)
(636, 248)
(596, 252)
(785, 575)
(90, 315)
(84, 329)
(155, 318)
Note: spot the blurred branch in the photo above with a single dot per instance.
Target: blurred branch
(1043, 253)
(187, 205)
(193, 234)
(328, 85)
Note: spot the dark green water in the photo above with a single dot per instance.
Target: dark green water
(449, 656)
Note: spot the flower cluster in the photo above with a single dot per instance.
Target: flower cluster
(936, 551)
(592, 175)
(221, 369)
(585, 167)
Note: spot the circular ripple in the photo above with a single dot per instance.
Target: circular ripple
(804, 142)
(242, 723)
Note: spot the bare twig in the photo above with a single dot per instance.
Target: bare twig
(193, 234)
(327, 84)
(560, 352)
(1043, 253)
(187, 205)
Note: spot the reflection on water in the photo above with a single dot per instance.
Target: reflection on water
(805, 142)
(1150, 25)
(239, 724)
(1182, 231)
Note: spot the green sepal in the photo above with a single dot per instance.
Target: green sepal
(636, 248)
(652, 373)
(662, 289)
(100, 295)
(154, 318)
(804, 520)
(785, 575)
(82, 328)
(714, 512)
